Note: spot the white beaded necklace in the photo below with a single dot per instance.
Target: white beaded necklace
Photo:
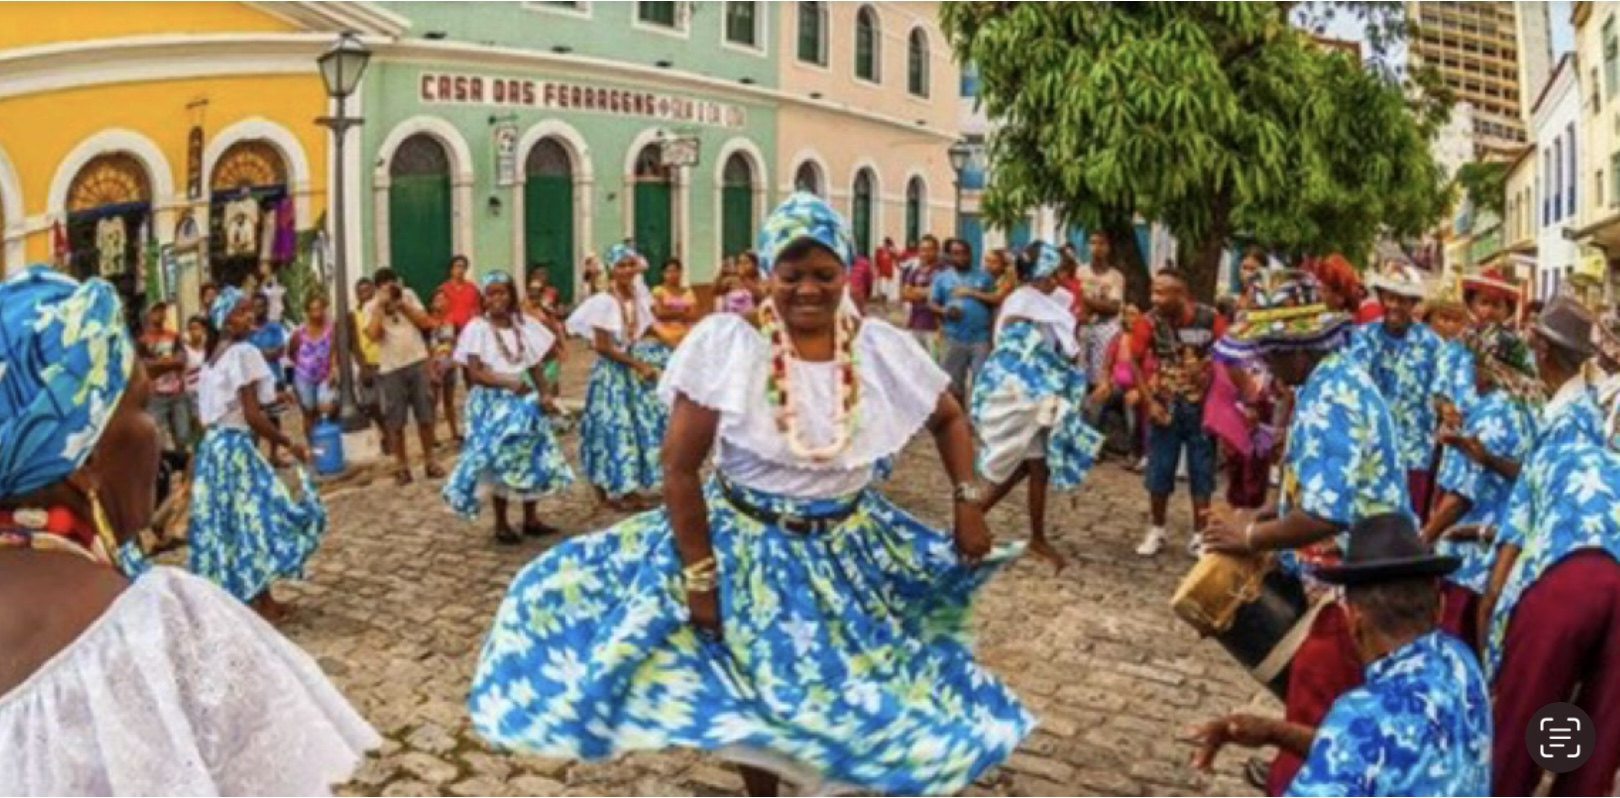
(779, 388)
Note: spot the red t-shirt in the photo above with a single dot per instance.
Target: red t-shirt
(885, 263)
(1142, 333)
(1072, 285)
(464, 301)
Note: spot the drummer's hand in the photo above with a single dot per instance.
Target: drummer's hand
(972, 533)
(705, 610)
(1237, 728)
(1225, 532)
(1466, 532)
(1469, 445)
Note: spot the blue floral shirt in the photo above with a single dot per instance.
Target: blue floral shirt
(1578, 421)
(1340, 464)
(1405, 370)
(1573, 504)
(1456, 375)
(1419, 725)
(1506, 428)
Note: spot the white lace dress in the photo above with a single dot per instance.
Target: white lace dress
(178, 689)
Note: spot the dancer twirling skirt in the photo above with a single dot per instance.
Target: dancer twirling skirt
(1024, 417)
(510, 447)
(623, 424)
(784, 614)
(246, 529)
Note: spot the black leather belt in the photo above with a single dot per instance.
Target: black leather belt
(796, 524)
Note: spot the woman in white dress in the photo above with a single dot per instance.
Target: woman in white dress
(161, 686)
(782, 613)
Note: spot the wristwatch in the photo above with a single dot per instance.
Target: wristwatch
(968, 492)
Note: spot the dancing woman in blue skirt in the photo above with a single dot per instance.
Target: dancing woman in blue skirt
(510, 447)
(623, 424)
(781, 613)
(246, 529)
(1026, 402)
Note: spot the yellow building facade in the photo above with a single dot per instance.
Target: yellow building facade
(128, 128)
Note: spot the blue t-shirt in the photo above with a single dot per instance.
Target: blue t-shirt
(973, 326)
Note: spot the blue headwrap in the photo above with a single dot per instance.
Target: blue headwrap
(491, 278)
(1047, 261)
(620, 252)
(229, 297)
(804, 216)
(65, 359)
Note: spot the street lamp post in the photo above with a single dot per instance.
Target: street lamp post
(341, 69)
(959, 153)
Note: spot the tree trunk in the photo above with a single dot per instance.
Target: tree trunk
(1203, 268)
(1121, 230)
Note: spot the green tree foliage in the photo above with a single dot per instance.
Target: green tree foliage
(1221, 120)
(1485, 185)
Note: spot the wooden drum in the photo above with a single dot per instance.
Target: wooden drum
(1256, 612)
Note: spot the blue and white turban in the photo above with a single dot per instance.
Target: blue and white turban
(224, 305)
(65, 360)
(804, 216)
(493, 277)
(621, 252)
(1047, 261)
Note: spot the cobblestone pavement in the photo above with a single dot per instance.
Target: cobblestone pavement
(400, 595)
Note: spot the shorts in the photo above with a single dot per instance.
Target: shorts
(311, 395)
(405, 391)
(444, 373)
(961, 360)
(1185, 431)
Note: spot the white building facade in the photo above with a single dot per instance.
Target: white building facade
(1556, 120)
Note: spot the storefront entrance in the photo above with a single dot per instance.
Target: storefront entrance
(250, 218)
(548, 210)
(737, 207)
(653, 231)
(419, 214)
(109, 207)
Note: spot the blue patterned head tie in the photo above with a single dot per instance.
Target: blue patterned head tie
(496, 276)
(1047, 261)
(65, 360)
(618, 253)
(804, 216)
(224, 305)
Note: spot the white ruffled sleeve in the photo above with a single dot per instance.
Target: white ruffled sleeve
(600, 312)
(903, 384)
(474, 340)
(243, 364)
(178, 689)
(717, 365)
(537, 341)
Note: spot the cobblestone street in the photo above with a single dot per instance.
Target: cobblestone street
(400, 595)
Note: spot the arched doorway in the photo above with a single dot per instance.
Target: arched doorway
(860, 211)
(548, 211)
(109, 214)
(914, 210)
(653, 192)
(736, 206)
(808, 178)
(251, 218)
(419, 213)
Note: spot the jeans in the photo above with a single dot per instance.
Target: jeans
(962, 361)
(173, 415)
(1185, 431)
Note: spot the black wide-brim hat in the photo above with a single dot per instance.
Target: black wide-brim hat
(1386, 548)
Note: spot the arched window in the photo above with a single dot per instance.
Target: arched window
(917, 63)
(813, 33)
(914, 209)
(808, 178)
(868, 45)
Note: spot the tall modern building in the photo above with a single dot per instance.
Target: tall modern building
(1494, 56)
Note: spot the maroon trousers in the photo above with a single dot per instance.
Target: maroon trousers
(1458, 610)
(1564, 632)
(1248, 480)
(1419, 484)
(1325, 666)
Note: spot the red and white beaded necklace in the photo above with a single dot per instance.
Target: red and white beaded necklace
(779, 389)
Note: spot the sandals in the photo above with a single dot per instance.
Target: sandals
(506, 536)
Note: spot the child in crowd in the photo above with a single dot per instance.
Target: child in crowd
(441, 360)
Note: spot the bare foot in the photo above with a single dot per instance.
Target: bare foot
(1040, 548)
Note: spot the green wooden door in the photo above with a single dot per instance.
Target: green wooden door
(652, 233)
(548, 208)
(419, 211)
(861, 213)
(736, 219)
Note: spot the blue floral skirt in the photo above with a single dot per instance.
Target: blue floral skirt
(622, 426)
(246, 529)
(845, 656)
(510, 448)
(1026, 406)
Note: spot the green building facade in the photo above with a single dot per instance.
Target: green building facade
(531, 135)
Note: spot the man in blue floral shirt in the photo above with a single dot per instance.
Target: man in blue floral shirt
(1479, 466)
(1420, 724)
(1403, 356)
(1340, 467)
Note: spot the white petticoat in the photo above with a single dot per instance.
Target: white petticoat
(178, 689)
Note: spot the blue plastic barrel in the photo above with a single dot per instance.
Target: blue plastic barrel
(328, 449)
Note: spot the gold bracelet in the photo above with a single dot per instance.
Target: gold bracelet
(701, 576)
